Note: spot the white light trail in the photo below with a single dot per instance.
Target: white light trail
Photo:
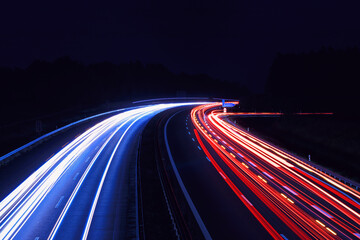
(22, 202)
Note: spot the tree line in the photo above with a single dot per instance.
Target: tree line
(324, 80)
(47, 87)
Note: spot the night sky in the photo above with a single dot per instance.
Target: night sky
(230, 40)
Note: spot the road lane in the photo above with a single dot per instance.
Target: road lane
(240, 185)
(221, 211)
(294, 191)
(50, 203)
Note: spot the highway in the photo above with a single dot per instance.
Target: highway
(289, 198)
(83, 191)
(235, 185)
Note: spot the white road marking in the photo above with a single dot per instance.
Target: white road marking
(77, 174)
(59, 202)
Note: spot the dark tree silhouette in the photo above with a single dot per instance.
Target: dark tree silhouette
(49, 87)
(326, 80)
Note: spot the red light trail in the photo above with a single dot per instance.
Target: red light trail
(309, 202)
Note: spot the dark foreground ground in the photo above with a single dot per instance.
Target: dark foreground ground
(332, 141)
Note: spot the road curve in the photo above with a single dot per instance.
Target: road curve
(79, 192)
(236, 185)
(288, 197)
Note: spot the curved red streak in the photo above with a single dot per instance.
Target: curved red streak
(292, 215)
(252, 209)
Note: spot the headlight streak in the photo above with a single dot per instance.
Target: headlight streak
(91, 214)
(73, 195)
(18, 206)
(22, 202)
(282, 169)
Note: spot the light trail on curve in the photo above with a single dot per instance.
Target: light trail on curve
(307, 201)
(34, 198)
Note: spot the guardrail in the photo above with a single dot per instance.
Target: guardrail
(5, 158)
(337, 176)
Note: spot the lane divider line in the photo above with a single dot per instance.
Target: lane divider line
(59, 202)
(96, 199)
(196, 214)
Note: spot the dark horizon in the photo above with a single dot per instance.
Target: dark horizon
(233, 41)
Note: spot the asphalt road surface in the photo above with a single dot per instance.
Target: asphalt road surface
(87, 189)
(236, 185)
(288, 197)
